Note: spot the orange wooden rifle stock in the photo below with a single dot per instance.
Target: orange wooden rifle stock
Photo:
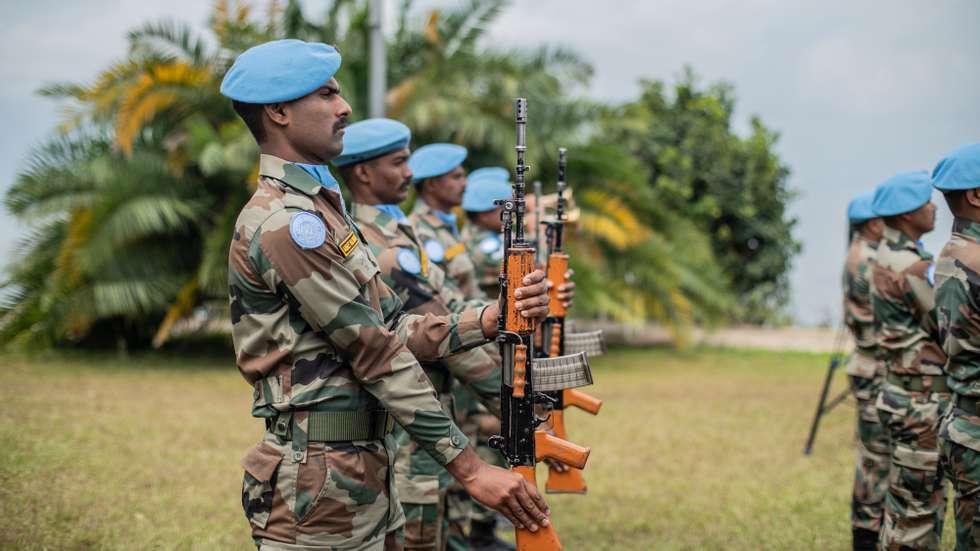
(518, 441)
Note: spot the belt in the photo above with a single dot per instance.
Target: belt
(920, 383)
(968, 404)
(336, 426)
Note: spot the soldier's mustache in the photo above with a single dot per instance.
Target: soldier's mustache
(340, 125)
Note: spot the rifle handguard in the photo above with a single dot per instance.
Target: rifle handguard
(520, 263)
(547, 446)
(557, 266)
(581, 400)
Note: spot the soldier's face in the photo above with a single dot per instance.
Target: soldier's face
(315, 122)
(924, 218)
(490, 220)
(449, 187)
(389, 177)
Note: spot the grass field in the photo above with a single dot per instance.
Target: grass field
(692, 450)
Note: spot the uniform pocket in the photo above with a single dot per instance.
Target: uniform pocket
(261, 465)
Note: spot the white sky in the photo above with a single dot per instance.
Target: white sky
(858, 90)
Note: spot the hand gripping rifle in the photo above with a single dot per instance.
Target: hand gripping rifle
(553, 330)
(524, 379)
(823, 406)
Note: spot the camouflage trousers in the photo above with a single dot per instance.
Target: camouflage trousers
(959, 442)
(871, 472)
(916, 500)
(336, 496)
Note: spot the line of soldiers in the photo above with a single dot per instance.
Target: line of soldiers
(915, 370)
(359, 326)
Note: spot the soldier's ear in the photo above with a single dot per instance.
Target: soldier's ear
(361, 173)
(276, 113)
(972, 197)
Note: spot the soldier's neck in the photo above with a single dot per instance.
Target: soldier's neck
(278, 147)
(906, 229)
(435, 204)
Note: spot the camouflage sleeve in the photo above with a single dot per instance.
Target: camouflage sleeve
(333, 294)
(479, 373)
(923, 296)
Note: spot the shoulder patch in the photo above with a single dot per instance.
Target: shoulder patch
(307, 230)
(348, 243)
(408, 261)
(435, 250)
(455, 250)
(490, 244)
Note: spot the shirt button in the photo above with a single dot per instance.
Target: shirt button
(455, 440)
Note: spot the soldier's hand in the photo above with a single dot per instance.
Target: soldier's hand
(532, 298)
(501, 490)
(566, 293)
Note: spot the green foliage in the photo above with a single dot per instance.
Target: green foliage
(133, 206)
(732, 188)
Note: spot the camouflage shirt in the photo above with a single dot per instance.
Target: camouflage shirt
(316, 328)
(486, 249)
(445, 249)
(422, 287)
(958, 305)
(904, 309)
(858, 315)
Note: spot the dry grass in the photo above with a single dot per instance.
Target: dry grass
(692, 450)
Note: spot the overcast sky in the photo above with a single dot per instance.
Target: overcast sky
(857, 90)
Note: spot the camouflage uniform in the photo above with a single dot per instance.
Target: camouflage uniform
(958, 306)
(865, 374)
(486, 251)
(915, 393)
(455, 262)
(421, 482)
(328, 350)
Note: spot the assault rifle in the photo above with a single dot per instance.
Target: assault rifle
(525, 379)
(823, 406)
(554, 335)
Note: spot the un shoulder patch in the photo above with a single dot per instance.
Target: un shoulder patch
(307, 230)
(490, 244)
(408, 261)
(435, 250)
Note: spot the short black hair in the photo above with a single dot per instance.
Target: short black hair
(346, 173)
(251, 113)
(954, 198)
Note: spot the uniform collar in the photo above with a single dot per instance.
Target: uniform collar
(436, 218)
(968, 228)
(371, 214)
(306, 178)
(898, 239)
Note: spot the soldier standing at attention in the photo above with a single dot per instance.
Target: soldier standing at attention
(374, 166)
(915, 393)
(323, 340)
(865, 373)
(440, 180)
(481, 236)
(958, 312)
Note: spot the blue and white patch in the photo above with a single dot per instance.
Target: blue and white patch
(931, 274)
(409, 261)
(490, 244)
(307, 230)
(435, 251)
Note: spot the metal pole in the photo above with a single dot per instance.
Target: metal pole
(376, 61)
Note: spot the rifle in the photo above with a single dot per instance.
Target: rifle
(553, 330)
(524, 378)
(824, 407)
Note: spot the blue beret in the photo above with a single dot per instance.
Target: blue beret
(859, 209)
(435, 159)
(958, 170)
(902, 193)
(281, 70)
(480, 195)
(372, 138)
(498, 173)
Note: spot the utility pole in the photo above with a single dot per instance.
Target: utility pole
(376, 61)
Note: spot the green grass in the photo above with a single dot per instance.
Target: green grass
(692, 450)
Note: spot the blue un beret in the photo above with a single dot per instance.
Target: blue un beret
(859, 209)
(435, 159)
(498, 173)
(281, 70)
(902, 193)
(480, 194)
(958, 170)
(372, 138)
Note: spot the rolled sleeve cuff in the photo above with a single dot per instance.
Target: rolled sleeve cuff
(448, 448)
(469, 329)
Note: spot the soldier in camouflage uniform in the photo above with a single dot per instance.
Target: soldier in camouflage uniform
(865, 374)
(915, 392)
(958, 306)
(481, 235)
(323, 340)
(374, 167)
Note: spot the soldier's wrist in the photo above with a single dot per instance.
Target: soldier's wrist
(488, 320)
